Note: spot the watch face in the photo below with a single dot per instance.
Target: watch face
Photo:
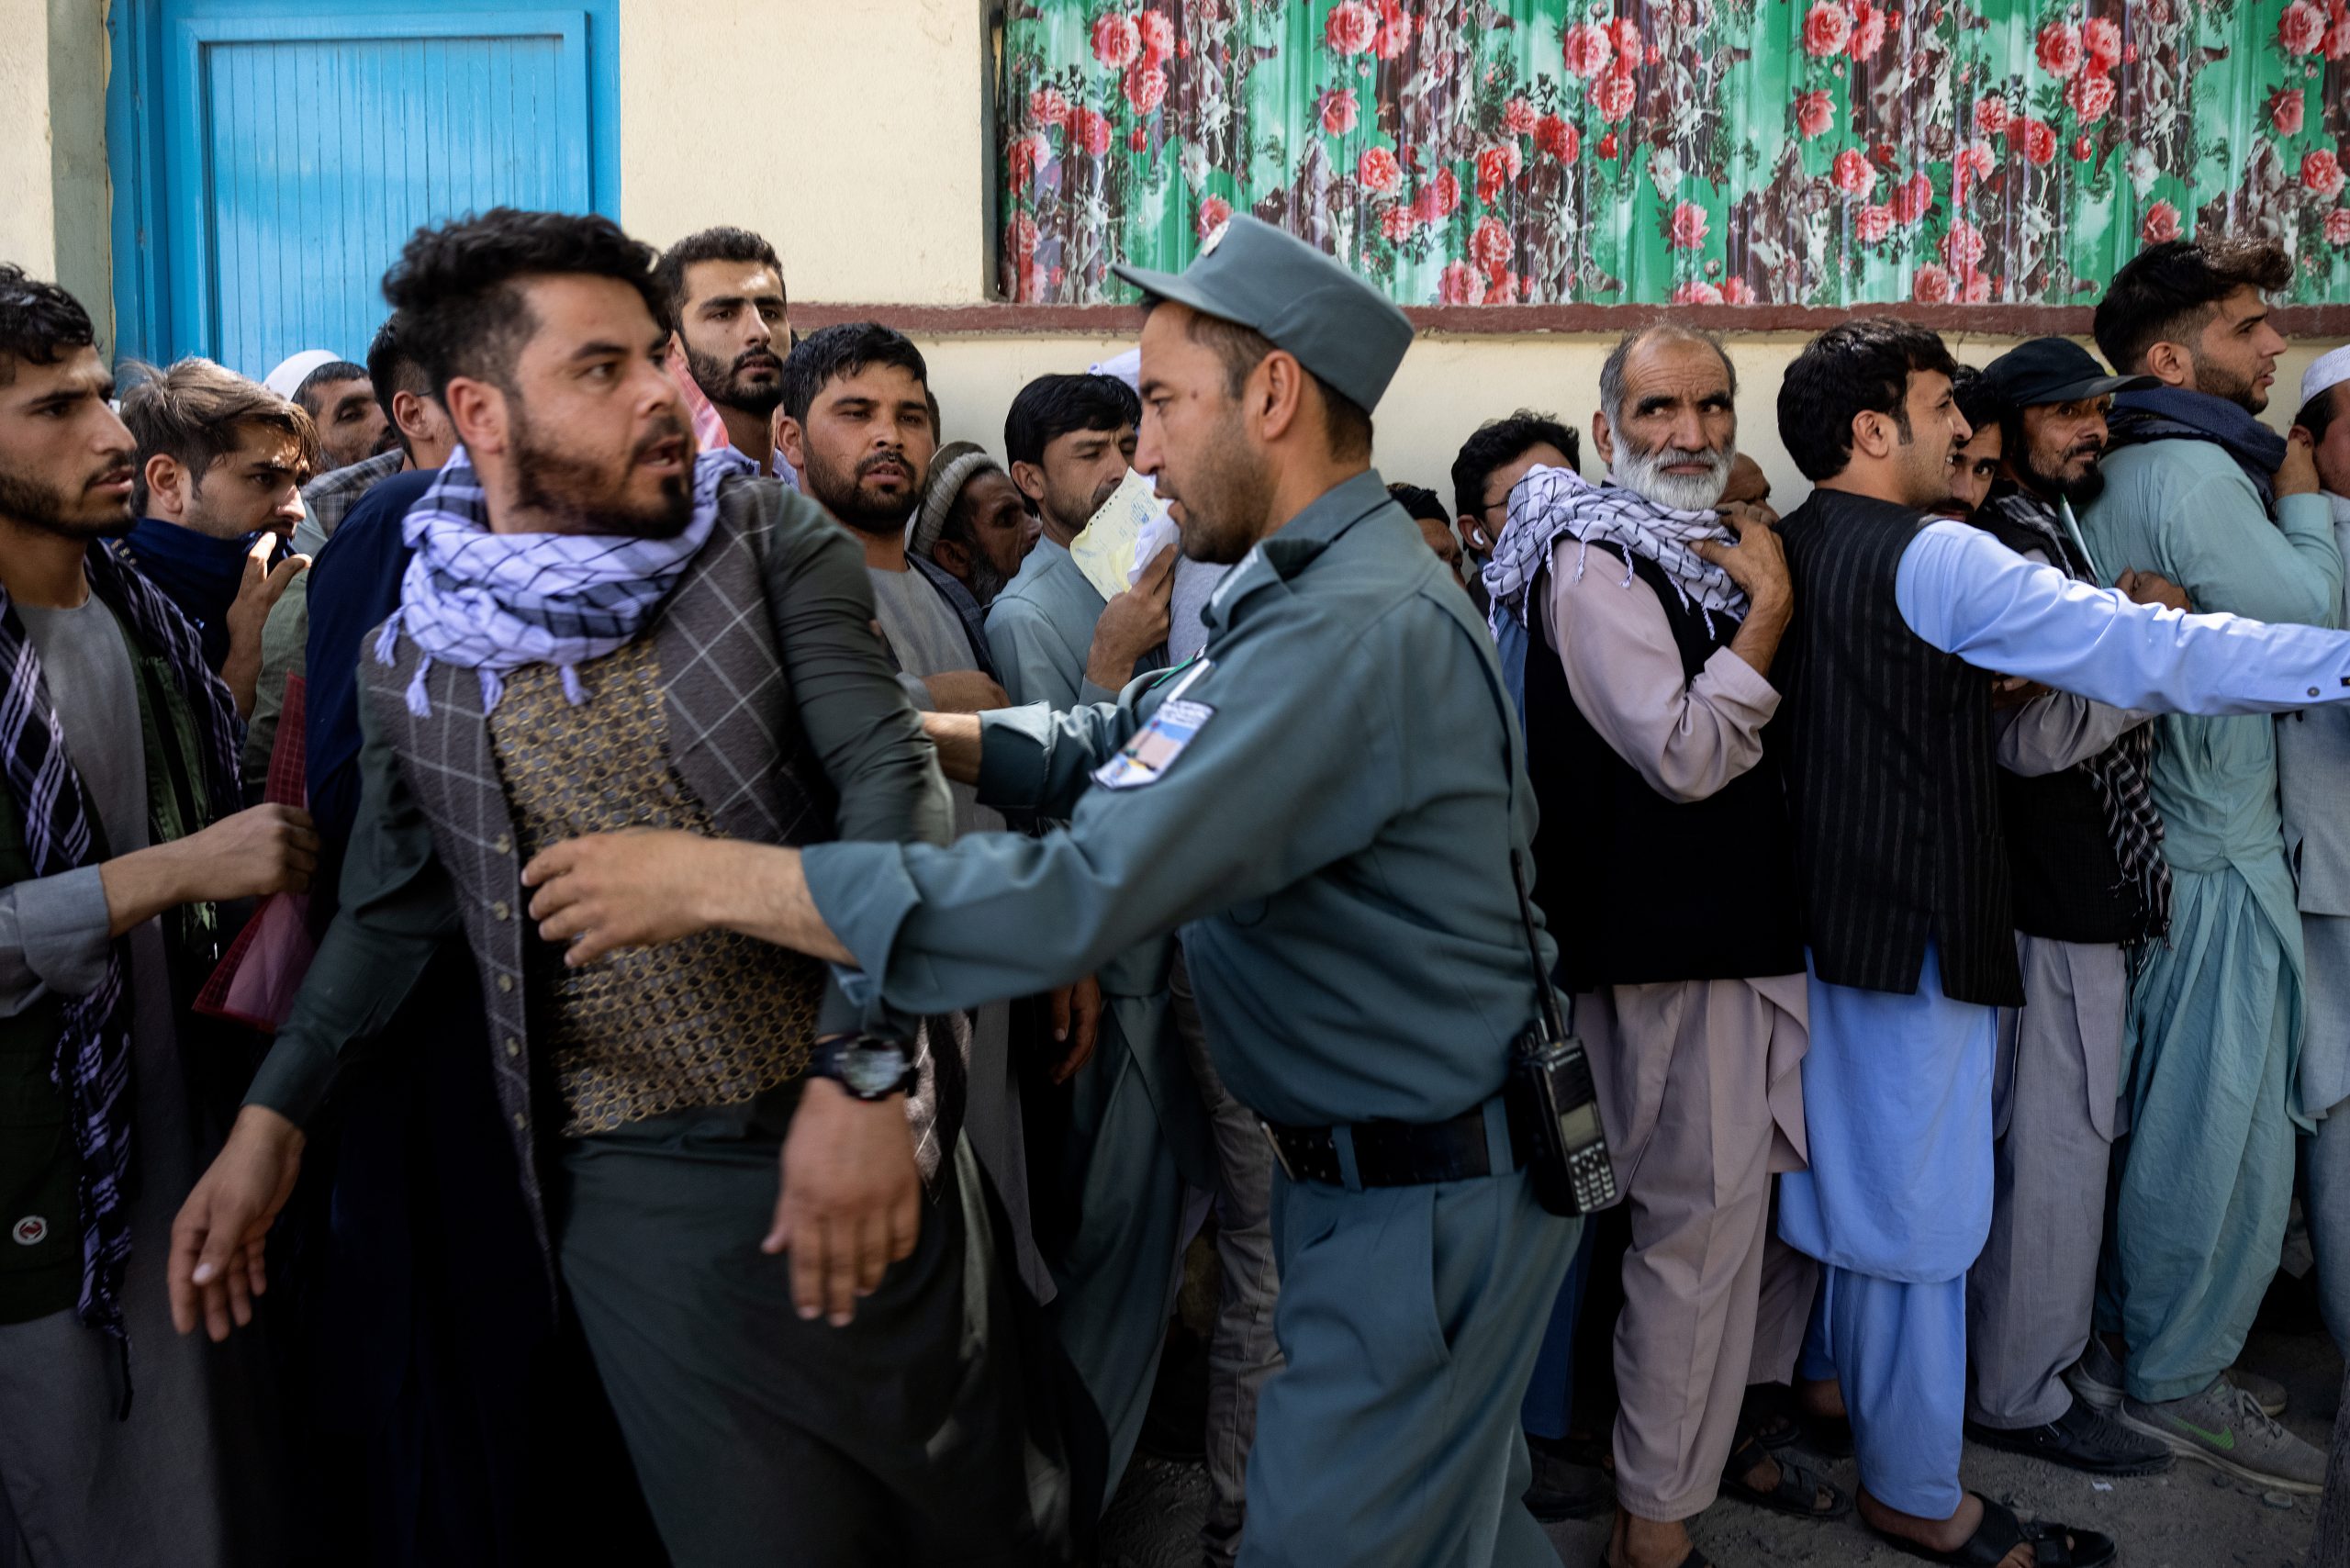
(872, 1067)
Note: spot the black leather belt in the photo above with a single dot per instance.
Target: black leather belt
(1388, 1154)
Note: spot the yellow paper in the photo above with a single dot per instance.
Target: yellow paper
(1104, 548)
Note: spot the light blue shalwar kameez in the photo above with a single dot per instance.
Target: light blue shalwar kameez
(2216, 1011)
(1897, 1203)
(1137, 1151)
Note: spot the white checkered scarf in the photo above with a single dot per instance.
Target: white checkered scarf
(492, 602)
(1551, 502)
(2120, 772)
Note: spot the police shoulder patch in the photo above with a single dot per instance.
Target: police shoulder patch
(1146, 758)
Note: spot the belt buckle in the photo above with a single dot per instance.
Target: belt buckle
(1280, 1157)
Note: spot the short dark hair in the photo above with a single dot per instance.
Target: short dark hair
(1852, 368)
(1418, 502)
(2166, 292)
(196, 412)
(459, 286)
(2317, 415)
(39, 322)
(1496, 443)
(829, 353)
(392, 367)
(1981, 403)
(723, 243)
(1052, 406)
(325, 376)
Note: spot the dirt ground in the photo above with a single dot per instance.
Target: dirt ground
(2192, 1518)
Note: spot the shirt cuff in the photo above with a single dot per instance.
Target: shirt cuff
(66, 929)
(2309, 513)
(1090, 695)
(294, 1079)
(918, 692)
(1728, 676)
(863, 894)
(1012, 750)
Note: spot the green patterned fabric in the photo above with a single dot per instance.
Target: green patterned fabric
(1822, 153)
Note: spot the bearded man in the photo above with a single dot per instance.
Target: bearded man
(1668, 874)
(724, 288)
(599, 629)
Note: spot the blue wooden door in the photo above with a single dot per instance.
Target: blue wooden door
(293, 153)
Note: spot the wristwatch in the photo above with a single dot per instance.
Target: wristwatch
(870, 1067)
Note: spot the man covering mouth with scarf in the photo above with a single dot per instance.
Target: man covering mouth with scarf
(1668, 875)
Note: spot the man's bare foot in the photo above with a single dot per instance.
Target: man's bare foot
(1939, 1535)
(1647, 1544)
(1822, 1396)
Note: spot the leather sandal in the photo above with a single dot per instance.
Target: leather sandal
(2052, 1545)
(1798, 1493)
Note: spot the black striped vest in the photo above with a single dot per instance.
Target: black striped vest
(1892, 774)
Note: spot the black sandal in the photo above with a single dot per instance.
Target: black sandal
(1768, 1413)
(2052, 1545)
(1798, 1493)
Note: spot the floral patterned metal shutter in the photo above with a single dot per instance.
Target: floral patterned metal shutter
(1822, 153)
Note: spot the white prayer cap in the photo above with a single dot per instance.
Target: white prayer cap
(2328, 370)
(293, 368)
(1127, 367)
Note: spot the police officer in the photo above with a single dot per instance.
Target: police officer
(1327, 801)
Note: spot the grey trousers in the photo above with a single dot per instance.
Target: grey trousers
(2326, 1156)
(192, 1479)
(1242, 1353)
(2054, 1093)
(761, 1438)
(2332, 1548)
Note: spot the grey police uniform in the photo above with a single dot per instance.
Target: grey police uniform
(1327, 802)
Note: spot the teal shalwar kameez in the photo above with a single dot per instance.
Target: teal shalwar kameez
(1335, 840)
(2216, 1011)
(1138, 1145)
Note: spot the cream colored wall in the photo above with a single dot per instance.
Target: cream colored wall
(856, 146)
(1448, 385)
(28, 203)
(53, 188)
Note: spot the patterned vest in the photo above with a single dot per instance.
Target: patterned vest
(733, 743)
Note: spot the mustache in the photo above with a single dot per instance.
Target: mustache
(113, 474)
(757, 359)
(670, 428)
(885, 460)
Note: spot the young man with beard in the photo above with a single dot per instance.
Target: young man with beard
(118, 1443)
(1891, 768)
(219, 470)
(599, 630)
(1667, 877)
(2313, 762)
(1153, 1135)
(1328, 802)
(2198, 490)
(1489, 466)
(972, 523)
(2089, 886)
(419, 428)
(724, 287)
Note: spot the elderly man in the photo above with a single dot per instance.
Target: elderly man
(2085, 860)
(973, 524)
(1668, 878)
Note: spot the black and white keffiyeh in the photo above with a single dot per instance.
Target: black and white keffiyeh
(1551, 502)
(92, 1061)
(2120, 772)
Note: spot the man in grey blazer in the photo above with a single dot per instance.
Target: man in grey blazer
(2312, 769)
(600, 629)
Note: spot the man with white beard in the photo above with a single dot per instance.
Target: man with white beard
(1666, 868)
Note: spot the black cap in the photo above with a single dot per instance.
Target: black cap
(2056, 370)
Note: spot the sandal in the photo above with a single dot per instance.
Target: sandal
(1799, 1493)
(1769, 1415)
(2052, 1545)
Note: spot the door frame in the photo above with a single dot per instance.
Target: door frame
(157, 157)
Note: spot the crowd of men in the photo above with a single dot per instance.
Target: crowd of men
(785, 960)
